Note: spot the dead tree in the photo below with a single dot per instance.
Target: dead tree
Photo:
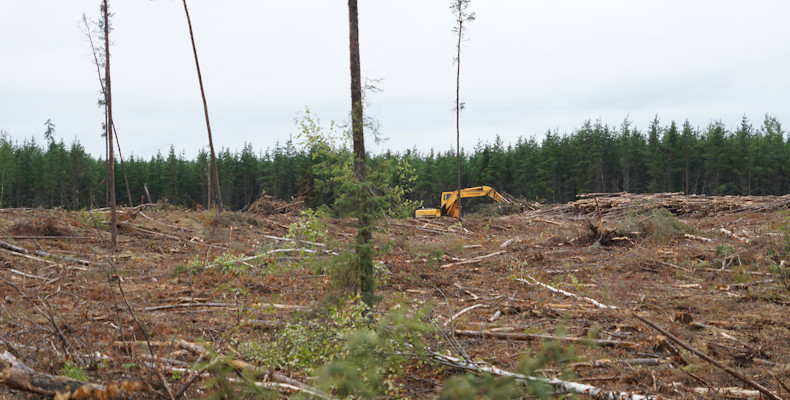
(214, 174)
(104, 93)
(108, 125)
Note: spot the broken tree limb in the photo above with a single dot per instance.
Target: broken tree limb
(29, 257)
(20, 273)
(16, 375)
(732, 235)
(608, 362)
(221, 305)
(459, 313)
(698, 238)
(531, 336)
(728, 392)
(559, 386)
(59, 257)
(569, 294)
(707, 358)
(168, 236)
(474, 260)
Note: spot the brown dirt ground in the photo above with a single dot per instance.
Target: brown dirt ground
(724, 284)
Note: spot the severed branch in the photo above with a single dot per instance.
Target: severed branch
(559, 386)
(465, 310)
(707, 358)
(569, 294)
(59, 257)
(222, 305)
(24, 255)
(474, 260)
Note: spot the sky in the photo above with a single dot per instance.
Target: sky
(527, 67)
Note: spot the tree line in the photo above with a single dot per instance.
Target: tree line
(596, 157)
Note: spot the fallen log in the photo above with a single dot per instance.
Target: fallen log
(222, 305)
(728, 392)
(17, 375)
(59, 257)
(24, 255)
(569, 294)
(531, 336)
(608, 362)
(707, 358)
(13, 248)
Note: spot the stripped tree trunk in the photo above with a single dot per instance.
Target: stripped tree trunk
(108, 104)
(213, 162)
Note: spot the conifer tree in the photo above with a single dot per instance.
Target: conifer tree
(462, 16)
(364, 247)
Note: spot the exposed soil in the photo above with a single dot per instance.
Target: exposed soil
(715, 290)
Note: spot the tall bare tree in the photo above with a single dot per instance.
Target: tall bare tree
(97, 62)
(462, 16)
(108, 125)
(213, 181)
(364, 257)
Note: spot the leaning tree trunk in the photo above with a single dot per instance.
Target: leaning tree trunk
(364, 249)
(213, 162)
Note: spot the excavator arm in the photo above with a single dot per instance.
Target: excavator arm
(449, 201)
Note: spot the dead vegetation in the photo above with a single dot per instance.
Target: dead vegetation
(657, 296)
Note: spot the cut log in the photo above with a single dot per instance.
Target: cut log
(17, 375)
(531, 336)
(728, 392)
(13, 248)
(558, 385)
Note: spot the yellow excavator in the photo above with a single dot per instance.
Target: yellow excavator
(450, 201)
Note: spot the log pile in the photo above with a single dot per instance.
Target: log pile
(611, 204)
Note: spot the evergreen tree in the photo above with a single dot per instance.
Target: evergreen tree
(655, 165)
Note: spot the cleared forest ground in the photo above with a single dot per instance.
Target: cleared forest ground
(598, 270)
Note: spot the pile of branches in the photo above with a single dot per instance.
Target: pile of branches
(268, 205)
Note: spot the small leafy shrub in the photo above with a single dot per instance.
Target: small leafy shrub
(311, 226)
(73, 371)
(373, 358)
(660, 225)
(306, 344)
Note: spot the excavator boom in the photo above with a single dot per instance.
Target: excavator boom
(449, 201)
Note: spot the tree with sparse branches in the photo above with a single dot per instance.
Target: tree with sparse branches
(460, 9)
(108, 125)
(364, 248)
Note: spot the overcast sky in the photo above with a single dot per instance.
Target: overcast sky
(527, 67)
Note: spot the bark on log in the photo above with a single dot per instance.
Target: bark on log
(17, 375)
(11, 247)
(559, 386)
